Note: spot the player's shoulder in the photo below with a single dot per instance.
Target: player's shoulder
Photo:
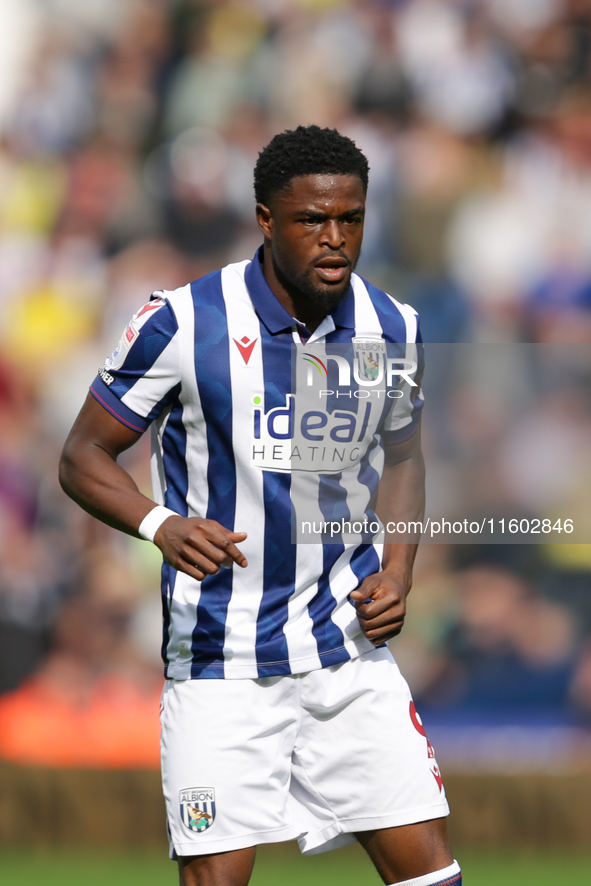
(381, 300)
(210, 285)
(154, 316)
(399, 320)
(184, 300)
(172, 298)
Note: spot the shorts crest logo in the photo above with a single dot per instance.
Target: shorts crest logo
(197, 808)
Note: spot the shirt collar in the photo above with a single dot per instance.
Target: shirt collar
(271, 311)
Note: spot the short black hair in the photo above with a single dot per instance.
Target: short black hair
(307, 150)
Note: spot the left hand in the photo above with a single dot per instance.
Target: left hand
(383, 618)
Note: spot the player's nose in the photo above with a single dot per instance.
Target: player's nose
(332, 234)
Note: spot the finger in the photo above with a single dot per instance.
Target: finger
(376, 590)
(375, 608)
(361, 600)
(360, 597)
(392, 616)
(186, 567)
(192, 571)
(218, 547)
(383, 634)
(383, 638)
(232, 551)
(236, 555)
(224, 539)
(200, 562)
(197, 563)
(201, 547)
(360, 604)
(194, 564)
(367, 588)
(214, 526)
(212, 529)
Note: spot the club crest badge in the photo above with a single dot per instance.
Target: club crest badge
(370, 355)
(197, 808)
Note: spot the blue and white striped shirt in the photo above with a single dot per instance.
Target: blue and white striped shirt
(210, 367)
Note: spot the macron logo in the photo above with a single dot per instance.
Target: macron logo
(245, 346)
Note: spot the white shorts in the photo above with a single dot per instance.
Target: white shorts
(313, 757)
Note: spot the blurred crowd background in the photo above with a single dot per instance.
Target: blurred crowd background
(128, 134)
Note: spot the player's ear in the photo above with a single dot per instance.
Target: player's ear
(265, 220)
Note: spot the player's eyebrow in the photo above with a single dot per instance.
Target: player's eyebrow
(351, 213)
(315, 214)
(318, 215)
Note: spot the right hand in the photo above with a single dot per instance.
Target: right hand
(199, 547)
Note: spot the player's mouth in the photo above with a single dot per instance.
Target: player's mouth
(332, 269)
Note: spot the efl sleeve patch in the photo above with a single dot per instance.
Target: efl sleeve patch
(131, 333)
(142, 374)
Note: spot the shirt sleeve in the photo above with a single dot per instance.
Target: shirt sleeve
(142, 375)
(404, 417)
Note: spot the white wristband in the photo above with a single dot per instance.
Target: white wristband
(153, 521)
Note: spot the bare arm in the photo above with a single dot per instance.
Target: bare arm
(90, 474)
(401, 497)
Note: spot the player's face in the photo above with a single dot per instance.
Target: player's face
(316, 228)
